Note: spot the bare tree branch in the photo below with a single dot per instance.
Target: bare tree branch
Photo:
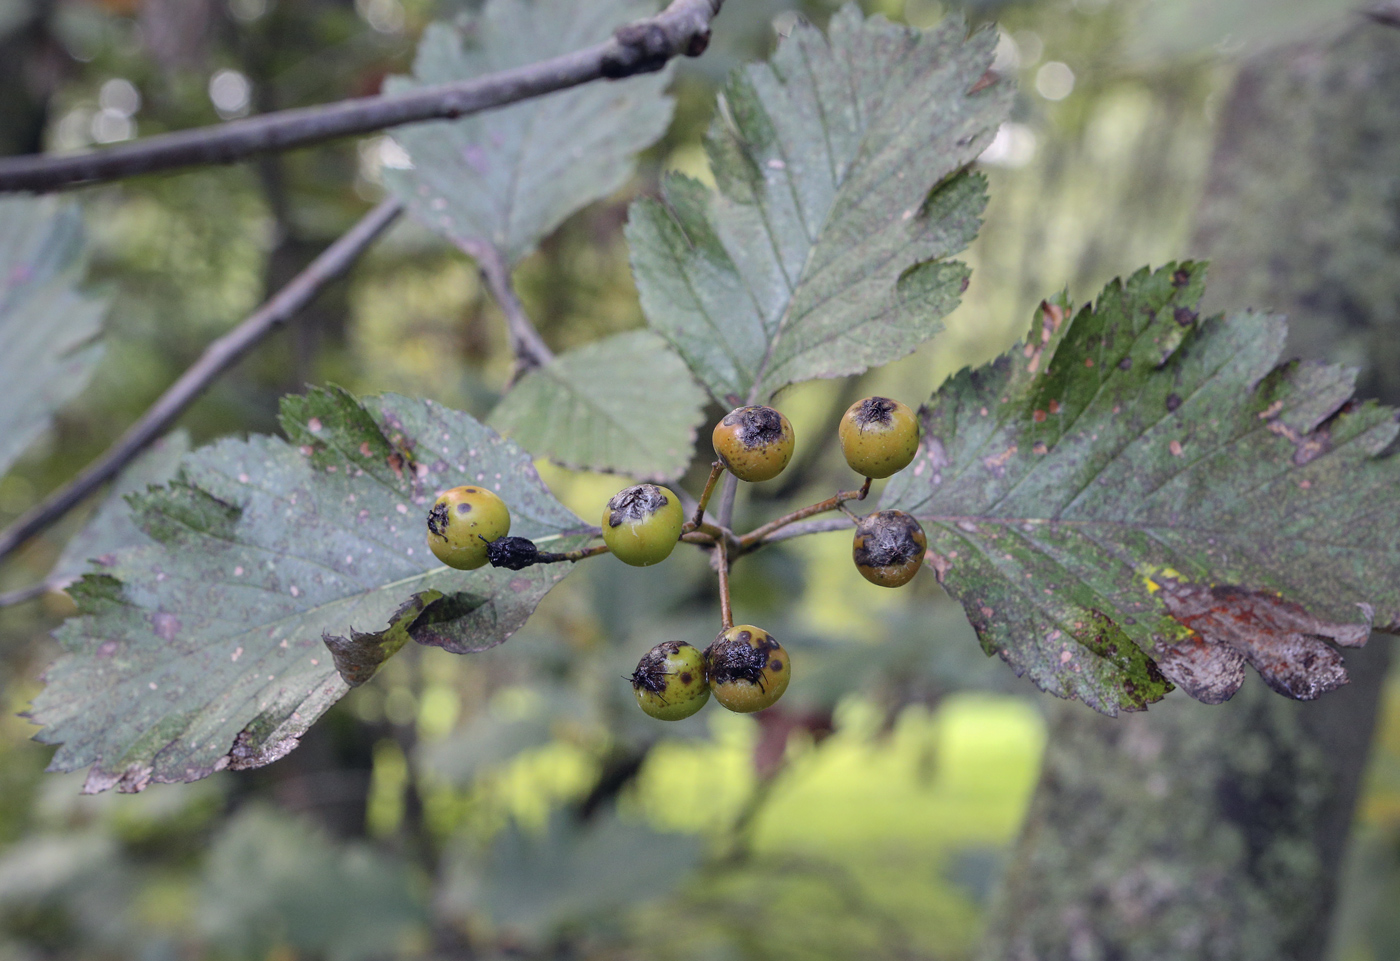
(641, 47)
(217, 358)
(525, 342)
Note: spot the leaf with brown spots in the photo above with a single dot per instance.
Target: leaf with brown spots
(274, 575)
(1148, 496)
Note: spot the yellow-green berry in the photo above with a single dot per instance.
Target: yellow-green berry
(748, 669)
(889, 548)
(755, 443)
(462, 522)
(642, 524)
(879, 436)
(670, 681)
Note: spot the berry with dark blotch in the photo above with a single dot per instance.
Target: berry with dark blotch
(670, 681)
(879, 436)
(642, 524)
(889, 548)
(512, 553)
(748, 668)
(755, 443)
(462, 522)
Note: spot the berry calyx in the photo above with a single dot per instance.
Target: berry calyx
(670, 682)
(889, 548)
(879, 436)
(462, 521)
(642, 524)
(755, 443)
(749, 670)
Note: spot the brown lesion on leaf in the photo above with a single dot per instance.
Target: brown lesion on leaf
(1231, 625)
(996, 463)
(1306, 446)
(248, 752)
(1052, 317)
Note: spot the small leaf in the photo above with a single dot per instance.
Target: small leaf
(46, 325)
(111, 526)
(841, 167)
(508, 177)
(274, 884)
(625, 404)
(208, 647)
(1141, 495)
(532, 885)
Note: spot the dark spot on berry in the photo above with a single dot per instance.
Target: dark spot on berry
(651, 673)
(758, 426)
(888, 538)
(686, 678)
(775, 665)
(734, 660)
(635, 504)
(473, 490)
(874, 410)
(464, 508)
(1173, 402)
(437, 519)
(745, 636)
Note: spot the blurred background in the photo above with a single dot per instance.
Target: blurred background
(515, 803)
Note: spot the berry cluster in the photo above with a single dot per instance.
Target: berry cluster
(745, 668)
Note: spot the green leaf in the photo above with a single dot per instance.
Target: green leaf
(624, 404)
(1141, 495)
(112, 527)
(46, 325)
(576, 871)
(508, 177)
(842, 192)
(208, 648)
(272, 880)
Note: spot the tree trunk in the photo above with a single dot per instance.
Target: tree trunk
(1196, 832)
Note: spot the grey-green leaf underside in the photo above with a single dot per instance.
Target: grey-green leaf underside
(112, 526)
(46, 325)
(1142, 496)
(213, 646)
(625, 404)
(508, 177)
(842, 192)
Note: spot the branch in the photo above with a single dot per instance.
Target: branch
(644, 46)
(217, 358)
(525, 342)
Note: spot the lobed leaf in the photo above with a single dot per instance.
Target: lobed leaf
(46, 325)
(508, 177)
(842, 192)
(624, 404)
(1141, 497)
(208, 648)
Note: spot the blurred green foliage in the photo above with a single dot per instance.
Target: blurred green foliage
(515, 802)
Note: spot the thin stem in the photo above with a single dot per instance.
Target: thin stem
(836, 502)
(218, 357)
(716, 469)
(726, 500)
(22, 594)
(545, 557)
(525, 342)
(801, 530)
(640, 47)
(726, 615)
